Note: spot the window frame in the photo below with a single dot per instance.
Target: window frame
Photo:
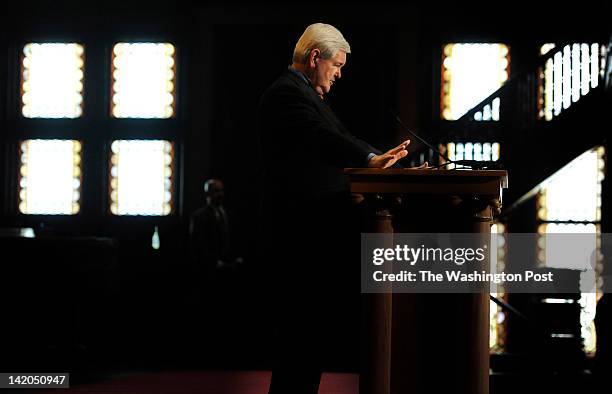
(95, 129)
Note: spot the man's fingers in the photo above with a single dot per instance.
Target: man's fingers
(390, 159)
(396, 156)
(399, 148)
(396, 150)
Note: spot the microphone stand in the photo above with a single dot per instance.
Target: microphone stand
(473, 164)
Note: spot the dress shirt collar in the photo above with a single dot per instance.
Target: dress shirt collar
(301, 75)
(305, 79)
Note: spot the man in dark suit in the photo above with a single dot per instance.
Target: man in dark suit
(307, 211)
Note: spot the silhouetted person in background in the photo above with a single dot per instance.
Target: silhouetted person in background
(209, 233)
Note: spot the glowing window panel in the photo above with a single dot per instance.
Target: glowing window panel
(473, 151)
(52, 80)
(478, 151)
(50, 177)
(575, 72)
(141, 177)
(495, 151)
(585, 173)
(460, 151)
(594, 65)
(586, 70)
(554, 254)
(143, 80)
(489, 111)
(574, 192)
(469, 147)
(568, 75)
(548, 89)
(486, 151)
(603, 56)
(495, 113)
(497, 316)
(470, 73)
(544, 49)
(450, 149)
(588, 301)
(557, 83)
(588, 307)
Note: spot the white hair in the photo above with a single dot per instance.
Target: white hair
(323, 37)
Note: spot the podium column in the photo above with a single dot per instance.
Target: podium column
(375, 377)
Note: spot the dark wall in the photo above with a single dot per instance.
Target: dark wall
(227, 56)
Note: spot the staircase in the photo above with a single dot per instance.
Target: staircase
(547, 115)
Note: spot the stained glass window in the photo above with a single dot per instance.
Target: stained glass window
(470, 73)
(571, 195)
(50, 177)
(143, 80)
(581, 199)
(486, 151)
(52, 80)
(141, 177)
(479, 151)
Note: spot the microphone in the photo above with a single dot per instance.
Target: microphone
(473, 164)
(399, 121)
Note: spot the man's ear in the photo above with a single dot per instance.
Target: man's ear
(315, 54)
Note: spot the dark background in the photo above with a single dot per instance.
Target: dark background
(150, 310)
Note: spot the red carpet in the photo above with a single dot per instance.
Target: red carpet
(209, 382)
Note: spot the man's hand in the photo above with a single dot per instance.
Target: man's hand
(389, 158)
(424, 166)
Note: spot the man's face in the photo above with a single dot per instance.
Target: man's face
(215, 192)
(216, 195)
(326, 71)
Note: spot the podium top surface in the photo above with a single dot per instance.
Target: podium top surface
(430, 181)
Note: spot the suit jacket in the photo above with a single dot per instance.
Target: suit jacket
(308, 220)
(305, 146)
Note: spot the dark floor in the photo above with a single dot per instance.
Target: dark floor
(201, 382)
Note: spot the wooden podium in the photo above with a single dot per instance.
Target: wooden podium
(426, 343)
